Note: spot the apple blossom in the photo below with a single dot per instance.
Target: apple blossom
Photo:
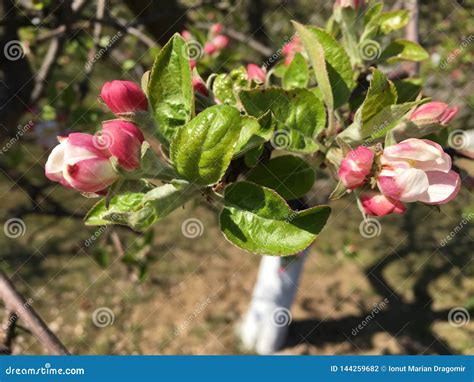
(199, 86)
(356, 166)
(380, 205)
(210, 48)
(256, 73)
(349, 3)
(124, 141)
(433, 112)
(417, 170)
(187, 35)
(123, 97)
(78, 163)
(220, 41)
(216, 28)
(290, 49)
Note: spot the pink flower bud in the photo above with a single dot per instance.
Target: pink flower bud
(209, 48)
(79, 163)
(220, 41)
(290, 49)
(356, 166)
(123, 97)
(199, 86)
(256, 73)
(434, 112)
(216, 28)
(380, 205)
(187, 35)
(192, 64)
(418, 170)
(356, 4)
(124, 141)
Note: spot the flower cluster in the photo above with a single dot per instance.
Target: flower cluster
(414, 170)
(85, 162)
(216, 41)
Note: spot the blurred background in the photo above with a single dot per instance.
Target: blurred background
(173, 291)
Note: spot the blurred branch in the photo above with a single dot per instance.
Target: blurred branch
(16, 303)
(411, 33)
(8, 329)
(241, 37)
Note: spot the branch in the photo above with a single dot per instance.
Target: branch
(411, 33)
(241, 37)
(16, 303)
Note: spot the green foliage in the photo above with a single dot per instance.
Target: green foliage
(170, 91)
(258, 220)
(404, 50)
(203, 148)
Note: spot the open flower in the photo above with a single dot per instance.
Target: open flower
(433, 112)
(356, 166)
(256, 73)
(78, 163)
(82, 161)
(123, 97)
(417, 170)
(380, 205)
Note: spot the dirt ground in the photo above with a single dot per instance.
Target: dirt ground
(197, 289)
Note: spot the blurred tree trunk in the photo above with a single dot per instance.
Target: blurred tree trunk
(256, 12)
(162, 18)
(16, 76)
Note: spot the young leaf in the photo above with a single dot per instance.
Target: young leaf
(331, 65)
(404, 50)
(203, 148)
(253, 132)
(226, 87)
(297, 111)
(297, 74)
(290, 176)
(258, 220)
(381, 93)
(118, 204)
(391, 21)
(170, 90)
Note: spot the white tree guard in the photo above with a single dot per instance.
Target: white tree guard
(264, 328)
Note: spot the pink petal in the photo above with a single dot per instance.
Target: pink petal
(90, 175)
(443, 187)
(407, 186)
(82, 146)
(413, 149)
(380, 205)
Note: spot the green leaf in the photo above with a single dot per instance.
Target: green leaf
(371, 21)
(252, 156)
(297, 111)
(226, 87)
(254, 132)
(394, 20)
(338, 192)
(381, 93)
(258, 220)
(290, 176)
(170, 90)
(408, 89)
(404, 50)
(297, 74)
(118, 204)
(331, 65)
(203, 148)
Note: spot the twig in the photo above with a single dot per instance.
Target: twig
(254, 44)
(411, 33)
(16, 303)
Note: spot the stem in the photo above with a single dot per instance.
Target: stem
(16, 303)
